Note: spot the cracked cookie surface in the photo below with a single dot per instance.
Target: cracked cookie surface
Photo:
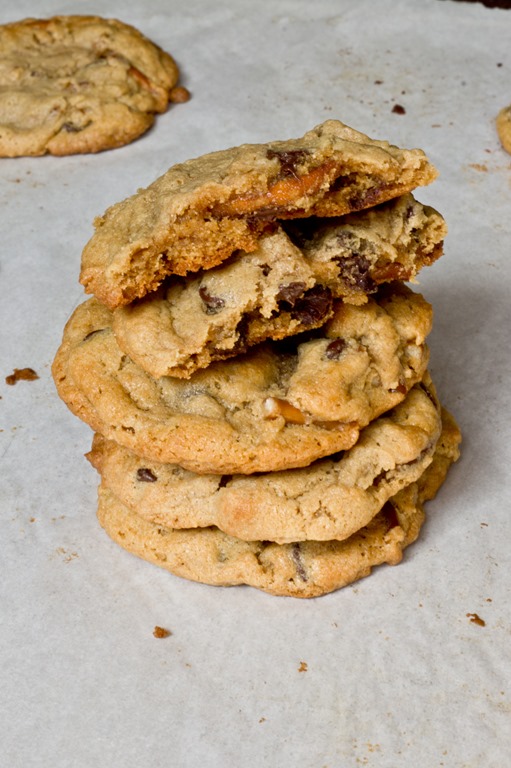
(201, 211)
(330, 499)
(280, 289)
(281, 405)
(299, 569)
(75, 84)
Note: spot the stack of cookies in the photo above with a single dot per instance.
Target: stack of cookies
(255, 368)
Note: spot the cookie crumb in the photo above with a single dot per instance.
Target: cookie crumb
(161, 632)
(476, 619)
(21, 374)
(303, 667)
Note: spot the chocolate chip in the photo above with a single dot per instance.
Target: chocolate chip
(314, 306)
(367, 198)
(398, 109)
(290, 293)
(354, 270)
(335, 349)
(289, 160)
(213, 303)
(145, 475)
(297, 559)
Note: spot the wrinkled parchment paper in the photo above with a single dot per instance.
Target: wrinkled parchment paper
(410, 667)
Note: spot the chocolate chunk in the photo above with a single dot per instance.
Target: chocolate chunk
(354, 270)
(71, 128)
(213, 303)
(335, 349)
(314, 306)
(291, 292)
(367, 199)
(145, 475)
(297, 559)
(289, 161)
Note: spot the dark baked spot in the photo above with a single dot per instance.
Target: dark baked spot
(297, 559)
(145, 475)
(314, 306)
(213, 304)
(21, 374)
(335, 349)
(289, 160)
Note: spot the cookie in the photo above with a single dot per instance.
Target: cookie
(201, 211)
(75, 84)
(354, 254)
(281, 405)
(298, 569)
(219, 313)
(330, 499)
(504, 128)
(279, 289)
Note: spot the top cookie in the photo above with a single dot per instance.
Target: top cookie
(201, 211)
(75, 84)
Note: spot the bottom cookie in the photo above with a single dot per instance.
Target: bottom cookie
(305, 569)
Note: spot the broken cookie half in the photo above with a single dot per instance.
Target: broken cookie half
(203, 210)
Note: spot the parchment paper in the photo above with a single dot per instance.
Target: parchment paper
(394, 671)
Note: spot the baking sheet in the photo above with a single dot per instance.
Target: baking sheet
(393, 671)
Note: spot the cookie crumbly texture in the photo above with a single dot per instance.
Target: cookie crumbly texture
(76, 84)
(280, 289)
(273, 408)
(201, 211)
(299, 569)
(331, 499)
(504, 128)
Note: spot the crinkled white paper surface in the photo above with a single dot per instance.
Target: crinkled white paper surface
(393, 671)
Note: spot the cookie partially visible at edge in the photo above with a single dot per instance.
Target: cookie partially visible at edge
(77, 84)
(503, 123)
